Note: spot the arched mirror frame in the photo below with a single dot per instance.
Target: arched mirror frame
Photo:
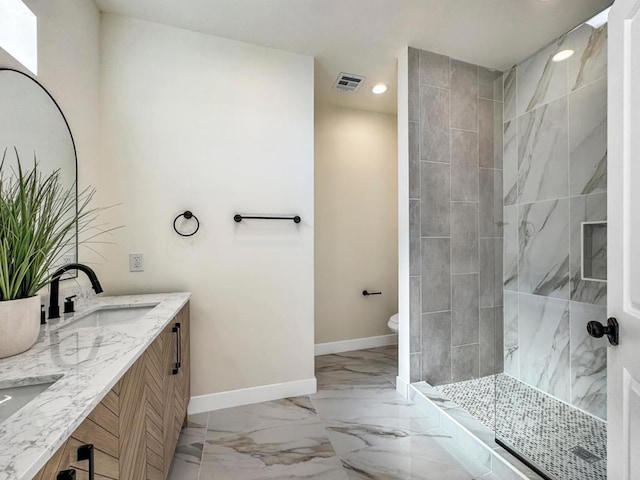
(71, 274)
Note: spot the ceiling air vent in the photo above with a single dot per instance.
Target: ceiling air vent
(348, 82)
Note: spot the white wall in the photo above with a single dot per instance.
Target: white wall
(403, 223)
(192, 121)
(356, 239)
(68, 67)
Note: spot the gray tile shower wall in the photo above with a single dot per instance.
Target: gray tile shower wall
(455, 190)
(554, 179)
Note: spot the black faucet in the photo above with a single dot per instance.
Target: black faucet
(54, 307)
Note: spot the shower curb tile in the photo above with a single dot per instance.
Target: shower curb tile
(505, 462)
(470, 434)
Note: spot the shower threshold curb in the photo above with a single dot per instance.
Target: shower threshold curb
(477, 440)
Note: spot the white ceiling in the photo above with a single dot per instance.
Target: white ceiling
(364, 36)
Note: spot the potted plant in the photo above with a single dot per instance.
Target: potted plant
(38, 219)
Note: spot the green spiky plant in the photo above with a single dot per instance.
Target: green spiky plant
(38, 219)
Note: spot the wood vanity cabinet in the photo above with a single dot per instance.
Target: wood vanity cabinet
(168, 388)
(134, 429)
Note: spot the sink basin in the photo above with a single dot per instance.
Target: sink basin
(13, 399)
(105, 317)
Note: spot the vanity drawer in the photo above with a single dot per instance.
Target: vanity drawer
(106, 453)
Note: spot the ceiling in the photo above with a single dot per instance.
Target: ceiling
(364, 36)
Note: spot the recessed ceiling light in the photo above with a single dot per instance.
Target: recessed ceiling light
(379, 89)
(562, 55)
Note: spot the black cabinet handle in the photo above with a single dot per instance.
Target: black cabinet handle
(179, 325)
(66, 475)
(85, 452)
(176, 366)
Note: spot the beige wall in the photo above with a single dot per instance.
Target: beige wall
(68, 67)
(356, 223)
(193, 121)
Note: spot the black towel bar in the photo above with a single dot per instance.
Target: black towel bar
(238, 218)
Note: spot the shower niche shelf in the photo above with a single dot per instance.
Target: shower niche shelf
(594, 251)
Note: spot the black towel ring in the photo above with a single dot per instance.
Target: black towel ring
(188, 215)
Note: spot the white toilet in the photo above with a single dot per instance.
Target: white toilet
(393, 323)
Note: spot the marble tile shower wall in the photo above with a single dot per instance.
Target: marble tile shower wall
(455, 204)
(555, 160)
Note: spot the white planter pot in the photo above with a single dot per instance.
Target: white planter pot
(19, 325)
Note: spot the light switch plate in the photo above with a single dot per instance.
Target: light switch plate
(136, 262)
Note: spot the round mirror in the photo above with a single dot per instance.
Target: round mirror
(33, 125)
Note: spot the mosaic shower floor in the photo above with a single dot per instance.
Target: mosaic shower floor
(564, 442)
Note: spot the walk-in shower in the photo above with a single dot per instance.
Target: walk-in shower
(508, 205)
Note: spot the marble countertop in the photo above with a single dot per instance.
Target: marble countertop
(87, 363)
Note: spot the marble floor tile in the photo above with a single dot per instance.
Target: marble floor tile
(417, 458)
(370, 368)
(248, 418)
(182, 469)
(388, 354)
(290, 450)
(192, 436)
(389, 370)
(390, 351)
(349, 437)
(199, 420)
(359, 428)
(380, 354)
(335, 380)
(346, 364)
(188, 456)
(365, 406)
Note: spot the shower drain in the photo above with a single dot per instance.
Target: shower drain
(585, 455)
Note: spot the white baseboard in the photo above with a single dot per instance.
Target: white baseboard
(402, 387)
(247, 396)
(356, 344)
